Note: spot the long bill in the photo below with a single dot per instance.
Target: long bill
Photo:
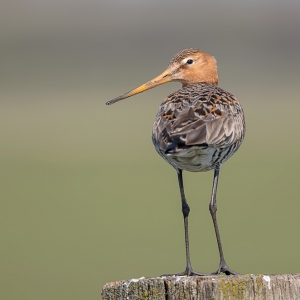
(164, 77)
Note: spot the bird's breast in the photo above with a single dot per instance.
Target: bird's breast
(198, 127)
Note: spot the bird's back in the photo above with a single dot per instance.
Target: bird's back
(198, 127)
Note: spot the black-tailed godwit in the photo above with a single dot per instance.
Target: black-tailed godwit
(197, 128)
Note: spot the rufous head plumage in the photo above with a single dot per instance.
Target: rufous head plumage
(187, 67)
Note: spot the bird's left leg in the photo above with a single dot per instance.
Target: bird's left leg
(213, 211)
(185, 211)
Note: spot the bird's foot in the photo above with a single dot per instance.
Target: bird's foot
(223, 268)
(187, 272)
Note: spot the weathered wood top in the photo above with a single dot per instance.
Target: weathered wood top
(256, 287)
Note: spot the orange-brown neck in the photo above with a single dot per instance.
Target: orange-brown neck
(209, 78)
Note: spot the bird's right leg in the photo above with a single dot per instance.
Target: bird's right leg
(185, 211)
(213, 210)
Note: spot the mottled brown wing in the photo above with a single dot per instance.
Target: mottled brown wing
(199, 114)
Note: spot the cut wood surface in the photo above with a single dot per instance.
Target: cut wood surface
(256, 287)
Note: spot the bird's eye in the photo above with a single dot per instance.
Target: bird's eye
(189, 61)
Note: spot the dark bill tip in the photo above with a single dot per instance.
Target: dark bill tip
(114, 100)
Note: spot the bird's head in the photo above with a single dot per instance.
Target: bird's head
(188, 66)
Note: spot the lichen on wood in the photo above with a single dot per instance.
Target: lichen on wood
(249, 287)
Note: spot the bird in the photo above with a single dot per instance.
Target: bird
(197, 128)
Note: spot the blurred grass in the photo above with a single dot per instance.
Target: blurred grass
(85, 201)
(84, 197)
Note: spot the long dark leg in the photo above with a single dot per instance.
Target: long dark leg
(213, 211)
(185, 211)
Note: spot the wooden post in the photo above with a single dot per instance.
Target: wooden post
(248, 287)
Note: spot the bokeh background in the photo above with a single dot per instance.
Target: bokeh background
(85, 199)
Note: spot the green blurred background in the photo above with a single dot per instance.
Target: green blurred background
(85, 199)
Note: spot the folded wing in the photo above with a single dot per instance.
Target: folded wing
(210, 117)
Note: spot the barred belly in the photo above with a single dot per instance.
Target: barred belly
(196, 159)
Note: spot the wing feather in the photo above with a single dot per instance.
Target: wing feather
(208, 117)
